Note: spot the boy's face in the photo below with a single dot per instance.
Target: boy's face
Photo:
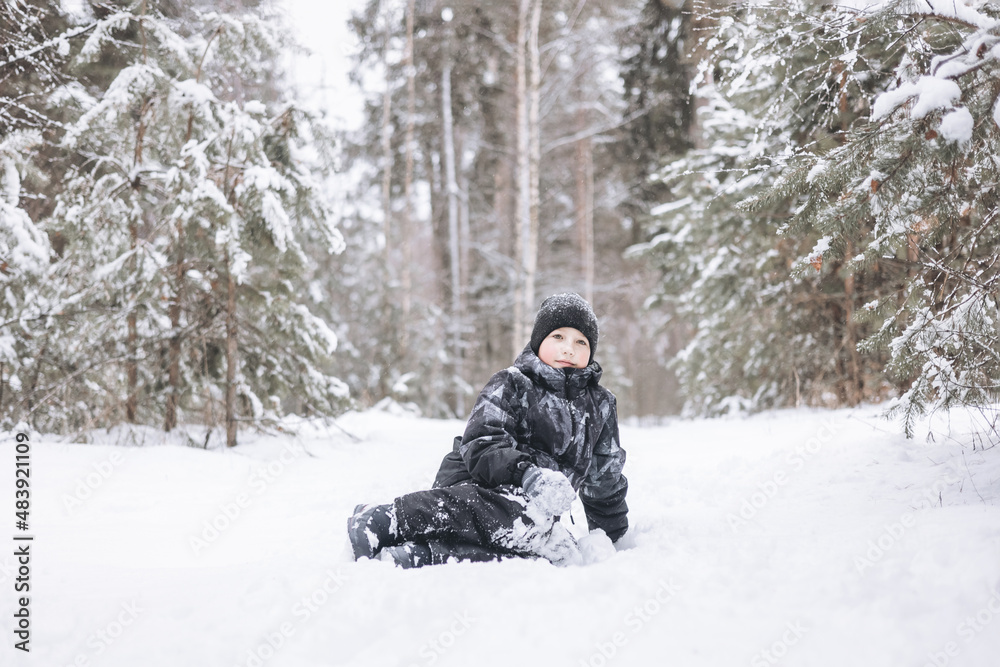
(565, 348)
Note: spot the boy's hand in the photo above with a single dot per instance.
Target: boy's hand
(548, 490)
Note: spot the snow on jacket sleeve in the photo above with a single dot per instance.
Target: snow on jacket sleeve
(605, 487)
(489, 446)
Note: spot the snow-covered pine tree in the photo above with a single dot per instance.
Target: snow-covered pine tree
(178, 293)
(24, 259)
(769, 83)
(35, 40)
(909, 199)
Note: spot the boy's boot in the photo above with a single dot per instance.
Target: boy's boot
(371, 528)
(407, 555)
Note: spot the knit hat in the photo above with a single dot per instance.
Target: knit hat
(565, 310)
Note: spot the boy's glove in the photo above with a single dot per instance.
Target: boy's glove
(548, 490)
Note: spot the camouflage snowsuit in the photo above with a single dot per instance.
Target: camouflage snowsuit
(528, 414)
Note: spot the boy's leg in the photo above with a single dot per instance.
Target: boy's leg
(463, 552)
(493, 521)
(417, 554)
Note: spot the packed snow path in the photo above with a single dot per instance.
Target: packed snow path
(800, 538)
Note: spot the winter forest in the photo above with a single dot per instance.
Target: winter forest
(769, 205)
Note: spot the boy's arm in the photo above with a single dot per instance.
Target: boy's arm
(605, 487)
(489, 446)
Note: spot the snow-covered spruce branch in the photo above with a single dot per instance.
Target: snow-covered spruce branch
(15, 103)
(66, 380)
(54, 42)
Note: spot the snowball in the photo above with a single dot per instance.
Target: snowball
(596, 547)
(551, 492)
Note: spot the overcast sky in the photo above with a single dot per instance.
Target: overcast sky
(321, 26)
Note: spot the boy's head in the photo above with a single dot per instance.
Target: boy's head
(566, 310)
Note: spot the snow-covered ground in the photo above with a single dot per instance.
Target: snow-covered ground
(797, 537)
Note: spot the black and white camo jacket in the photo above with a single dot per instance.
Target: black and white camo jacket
(561, 419)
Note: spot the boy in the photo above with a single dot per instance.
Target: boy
(540, 431)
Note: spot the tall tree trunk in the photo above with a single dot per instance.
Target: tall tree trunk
(174, 352)
(853, 382)
(523, 200)
(176, 305)
(534, 166)
(388, 322)
(584, 172)
(464, 220)
(231, 353)
(231, 346)
(406, 232)
(451, 186)
(132, 342)
(387, 162)
(132, 366)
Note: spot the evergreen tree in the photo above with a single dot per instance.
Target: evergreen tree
(177, 292)
(831, 240)
(908, 199)
(35, 40)
(770, 84)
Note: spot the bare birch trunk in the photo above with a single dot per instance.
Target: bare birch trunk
(522, 204)
(387, 162)
(411, 103)
(378, 358)
(584, 169)
(534, 162)
(464, 220)
(451, 186)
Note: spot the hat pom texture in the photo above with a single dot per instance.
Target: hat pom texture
(565, 310)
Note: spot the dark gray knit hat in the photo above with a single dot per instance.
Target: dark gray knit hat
(565, 310)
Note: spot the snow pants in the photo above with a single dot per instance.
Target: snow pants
(467, 522)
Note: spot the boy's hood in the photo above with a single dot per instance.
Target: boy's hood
(563, 381)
